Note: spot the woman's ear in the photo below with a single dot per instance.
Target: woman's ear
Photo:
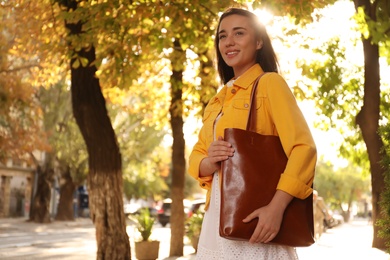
(259, 44)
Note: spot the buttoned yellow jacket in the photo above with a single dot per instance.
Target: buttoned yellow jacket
(277, 114)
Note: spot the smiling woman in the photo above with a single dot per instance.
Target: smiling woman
(244, 53)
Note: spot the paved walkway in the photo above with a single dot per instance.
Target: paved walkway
(70, 240)
(348, 241)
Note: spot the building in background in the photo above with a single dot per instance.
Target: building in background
(16, 186)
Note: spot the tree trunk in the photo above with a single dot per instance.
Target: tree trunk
(65, 205)
(40, 208)
(178, 158)
(105, 184)
(368, 121)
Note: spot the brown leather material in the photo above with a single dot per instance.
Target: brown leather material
(249, 181)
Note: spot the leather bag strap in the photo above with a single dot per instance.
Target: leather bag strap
(251, 122)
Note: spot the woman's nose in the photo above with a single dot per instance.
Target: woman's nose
(229, 41)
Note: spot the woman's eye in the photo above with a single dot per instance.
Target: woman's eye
(222, 37)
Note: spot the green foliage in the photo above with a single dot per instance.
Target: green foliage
(140, 129)
(375, 24)
(384, 222)
(144, 181)
(301, 10)
(194, 225)
(341, 186)
(337, 93)
(144, 222)
(65, 138)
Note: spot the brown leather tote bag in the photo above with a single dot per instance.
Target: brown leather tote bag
(249, 180)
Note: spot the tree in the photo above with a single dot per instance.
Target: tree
(196, 37)
(178, 147)
(105, 183)
(376, 16)
(140, 133)
(65, 209)
(336, 97)
(69, 155)
(40, 207)
(384, 223)
(341, 187)
(20, 113)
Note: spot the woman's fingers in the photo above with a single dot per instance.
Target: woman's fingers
(220, 149)
(262, 234)
(267, 227)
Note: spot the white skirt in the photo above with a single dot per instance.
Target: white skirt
(212, 246)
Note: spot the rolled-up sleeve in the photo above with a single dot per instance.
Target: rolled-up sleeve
(295, 136)
(199, 152)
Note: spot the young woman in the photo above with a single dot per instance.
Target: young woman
(244, 52)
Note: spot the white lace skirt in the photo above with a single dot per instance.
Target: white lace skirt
(212, 246)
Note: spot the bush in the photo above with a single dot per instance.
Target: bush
(194, 224)
(384, 222)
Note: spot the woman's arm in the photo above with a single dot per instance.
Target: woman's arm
(300, 149)
(295, 136)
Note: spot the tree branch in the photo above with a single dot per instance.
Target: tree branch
(19, 68)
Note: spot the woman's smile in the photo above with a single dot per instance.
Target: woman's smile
(231, 54)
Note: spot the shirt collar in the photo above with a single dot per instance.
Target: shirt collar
(249, 76)
(244, 81)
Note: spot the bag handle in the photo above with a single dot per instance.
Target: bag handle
(251, 122)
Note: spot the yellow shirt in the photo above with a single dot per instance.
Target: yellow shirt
(277, 114)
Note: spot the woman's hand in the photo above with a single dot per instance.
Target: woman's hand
(269, 218)
(268, 225)
(218, 151)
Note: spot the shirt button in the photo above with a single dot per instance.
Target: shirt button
(246, 105)
(234, 91)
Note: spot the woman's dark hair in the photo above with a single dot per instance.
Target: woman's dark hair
(265, 57)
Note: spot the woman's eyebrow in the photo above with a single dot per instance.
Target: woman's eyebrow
(234, 29)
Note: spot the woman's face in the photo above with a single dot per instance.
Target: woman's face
(237, 43)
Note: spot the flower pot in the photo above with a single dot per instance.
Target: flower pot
(147, 250)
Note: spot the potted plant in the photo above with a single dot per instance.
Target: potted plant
(194, 226)
(146, 248)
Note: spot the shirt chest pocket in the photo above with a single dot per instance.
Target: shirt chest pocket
(241, 111)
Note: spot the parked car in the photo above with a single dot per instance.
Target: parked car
(164, 211)
(197, 205)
